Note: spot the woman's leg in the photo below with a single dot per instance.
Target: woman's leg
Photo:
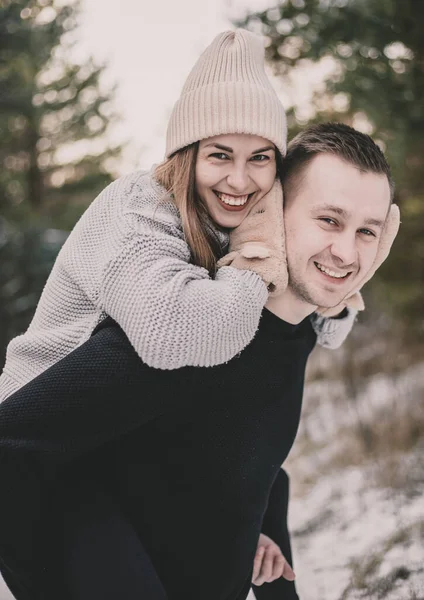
(101, 557)
(74, 543)
(22, 503)
(99, 392)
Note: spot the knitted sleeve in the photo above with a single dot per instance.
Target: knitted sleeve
(331, 333)
(173, 313)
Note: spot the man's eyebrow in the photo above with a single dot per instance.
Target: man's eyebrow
(344, 213)
(375, 222)
(220, 147)
(331, 207)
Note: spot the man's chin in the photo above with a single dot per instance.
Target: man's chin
(318, 297)
(328, 301)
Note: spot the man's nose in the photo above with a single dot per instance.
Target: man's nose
(238, 178)
(344, 248)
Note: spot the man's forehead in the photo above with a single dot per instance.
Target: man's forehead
(330, 181)
(332, 171)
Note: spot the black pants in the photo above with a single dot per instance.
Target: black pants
(61, 417)
(102, 557)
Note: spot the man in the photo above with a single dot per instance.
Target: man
(338, 196)
(338, 192)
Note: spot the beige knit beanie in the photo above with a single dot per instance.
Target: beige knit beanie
(228, 91)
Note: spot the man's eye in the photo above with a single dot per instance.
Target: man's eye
(328, 220)
(368, 232)
(220, 155)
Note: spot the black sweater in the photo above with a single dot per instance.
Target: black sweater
(198, 449)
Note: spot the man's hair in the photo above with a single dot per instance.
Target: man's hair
(340, 140)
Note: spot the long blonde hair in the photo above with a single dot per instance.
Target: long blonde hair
(177, 175)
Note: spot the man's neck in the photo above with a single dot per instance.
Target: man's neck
(289, 307)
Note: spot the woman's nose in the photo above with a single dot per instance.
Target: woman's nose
(238, 179)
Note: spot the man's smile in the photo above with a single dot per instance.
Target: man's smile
(331, 274)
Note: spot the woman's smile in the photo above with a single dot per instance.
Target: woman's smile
(233, 202)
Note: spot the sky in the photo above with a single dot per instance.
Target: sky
(150, 47)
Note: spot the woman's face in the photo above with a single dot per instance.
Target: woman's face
(233, 172)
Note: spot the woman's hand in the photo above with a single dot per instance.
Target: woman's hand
(258, 243)
(269, 563)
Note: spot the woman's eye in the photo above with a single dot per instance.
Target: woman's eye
(260, 157)
(220, 155)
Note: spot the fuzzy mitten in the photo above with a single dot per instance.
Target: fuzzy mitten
(354, 299)
(258, 243)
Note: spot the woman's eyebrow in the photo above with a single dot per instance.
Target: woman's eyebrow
(220, 147)
(228, 149)
(263, 149)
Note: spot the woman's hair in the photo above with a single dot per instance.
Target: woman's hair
(177, 174)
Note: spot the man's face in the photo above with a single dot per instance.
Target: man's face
(334, 219)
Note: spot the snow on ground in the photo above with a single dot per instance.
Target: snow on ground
(327, 410)
(352, 540)
(353, 537)
(4, 592)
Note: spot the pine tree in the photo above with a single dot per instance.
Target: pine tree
(47, 103)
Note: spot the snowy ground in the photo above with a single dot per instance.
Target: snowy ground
(358, 531)
(352, 540)
(4, 593)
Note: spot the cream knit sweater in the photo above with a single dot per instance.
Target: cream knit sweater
(127, 258)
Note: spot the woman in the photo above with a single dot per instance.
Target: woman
(148, 260)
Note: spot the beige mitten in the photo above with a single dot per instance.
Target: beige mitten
(258, 243)
(354, 299)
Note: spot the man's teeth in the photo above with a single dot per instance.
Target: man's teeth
(330, 272)
(232, 200)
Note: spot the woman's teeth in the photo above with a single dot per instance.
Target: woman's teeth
(330, 272)
(233, 200)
